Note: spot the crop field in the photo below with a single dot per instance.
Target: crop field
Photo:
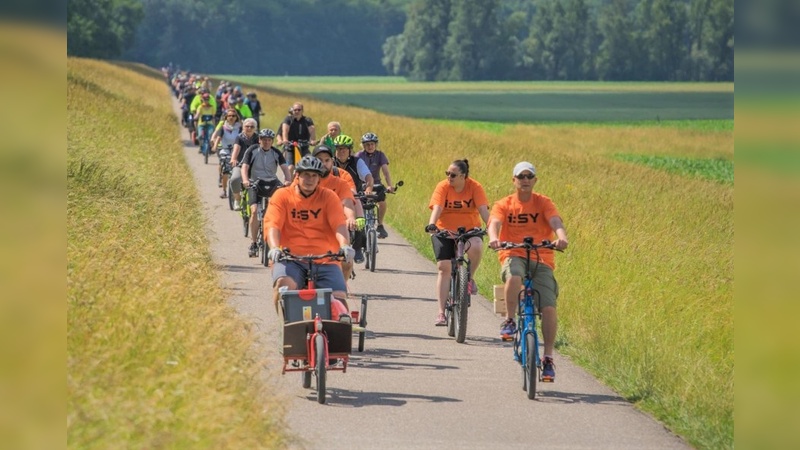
(516, 102)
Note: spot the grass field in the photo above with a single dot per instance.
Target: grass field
(647, 285)
(156, 358)
(516, 102)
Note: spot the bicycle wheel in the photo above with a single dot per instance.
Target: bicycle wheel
(246, 224)
(322, 360)
(307, 379)
(529, 368)
(372, 245)
(230, 197)
(362, 322)
(460, 305)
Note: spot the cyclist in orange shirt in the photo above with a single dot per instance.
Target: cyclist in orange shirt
(336, 179)
(308, 220)
(458, 201)
(526, 213)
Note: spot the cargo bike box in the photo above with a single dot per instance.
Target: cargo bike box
(299, 310)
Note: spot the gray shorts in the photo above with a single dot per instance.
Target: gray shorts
(544, 282)
(328, 275)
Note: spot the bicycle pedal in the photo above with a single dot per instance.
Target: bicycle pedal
(507, 337)
(547, 380)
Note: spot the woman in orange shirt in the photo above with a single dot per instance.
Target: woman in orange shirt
(457, 201)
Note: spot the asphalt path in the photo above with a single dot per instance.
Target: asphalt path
(413, 386)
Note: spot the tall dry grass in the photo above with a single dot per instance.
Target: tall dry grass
(155, 356)
(647, 283)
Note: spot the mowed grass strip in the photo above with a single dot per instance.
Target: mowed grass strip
(647, 283)
(155, 356)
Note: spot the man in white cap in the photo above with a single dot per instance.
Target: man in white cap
(522, 214)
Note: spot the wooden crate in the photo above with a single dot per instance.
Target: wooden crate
(498, 292)
(499, 299)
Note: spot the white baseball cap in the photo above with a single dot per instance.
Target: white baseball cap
(523, 166)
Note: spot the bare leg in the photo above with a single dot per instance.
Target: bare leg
(511, 292)
(549, 328)
(253, 222)
(443, 282)
(381, 212)
(475, 254)
(279, 283)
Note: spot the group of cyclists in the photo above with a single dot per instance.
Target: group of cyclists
(317, 210)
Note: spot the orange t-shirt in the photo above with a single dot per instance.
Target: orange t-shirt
(307, 225)
(520, 220)
(345, 175)
(336, 184)
(459, 209)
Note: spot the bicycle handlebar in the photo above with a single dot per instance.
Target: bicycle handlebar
(288, 256)
(462, 233)
(365, 196)
(527, 243)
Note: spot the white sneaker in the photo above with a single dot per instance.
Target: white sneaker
(237, 206)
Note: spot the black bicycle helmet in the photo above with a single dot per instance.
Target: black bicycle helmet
(369, 137)
(266, 133)
(310, 164)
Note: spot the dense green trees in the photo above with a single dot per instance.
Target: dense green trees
(101, 28)
(418, 39)
(565, 40)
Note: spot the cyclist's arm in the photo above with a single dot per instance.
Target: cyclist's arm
(342, 235)
(364, 173)
(287, 176)
(493, 229)
(312, 133)
(385, 171)
(246, 174)
(217, 136)
(235, 154)
(436, 212)
(349, 212)
(557, 224)
(284, 132)
(274, 237)
(483, 210)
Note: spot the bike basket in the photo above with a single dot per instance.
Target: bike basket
(305, 304)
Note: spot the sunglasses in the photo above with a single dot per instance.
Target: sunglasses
(452, 174)
(297, 110)
(232, 116)
(525, 177)
(249, 126)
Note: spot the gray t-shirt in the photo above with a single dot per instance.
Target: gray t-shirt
(263, 163)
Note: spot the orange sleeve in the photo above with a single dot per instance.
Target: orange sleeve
(345, 175)
(438, 195)
(480, 195)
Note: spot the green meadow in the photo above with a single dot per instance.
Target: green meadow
(516, 102)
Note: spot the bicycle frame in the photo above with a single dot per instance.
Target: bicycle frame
(458, 299)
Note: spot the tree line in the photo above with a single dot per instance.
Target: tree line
(418, 39)
(660, 40)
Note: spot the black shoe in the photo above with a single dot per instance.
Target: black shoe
(253, 250)
(382, 234)
(359, 256)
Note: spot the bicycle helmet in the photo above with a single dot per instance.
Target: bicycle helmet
(369, 137)
(266, 133)
(310, 164)
(323, 149)
(343, 140)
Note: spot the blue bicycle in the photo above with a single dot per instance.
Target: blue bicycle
(526, 338)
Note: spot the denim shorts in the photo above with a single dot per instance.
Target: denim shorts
(544, 282)
(328, 275)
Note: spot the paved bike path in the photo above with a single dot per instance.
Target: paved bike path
(415, 387)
